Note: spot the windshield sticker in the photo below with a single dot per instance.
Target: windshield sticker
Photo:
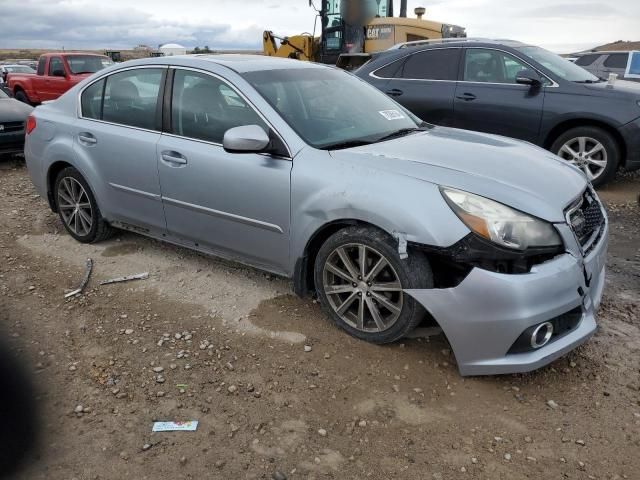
(391, 114)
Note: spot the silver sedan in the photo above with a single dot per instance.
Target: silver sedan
(307, 172)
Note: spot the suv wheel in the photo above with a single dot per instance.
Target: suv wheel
(78, 209)
(361, 280)
(592, 149)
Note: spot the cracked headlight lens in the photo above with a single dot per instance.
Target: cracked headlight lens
(501, 224)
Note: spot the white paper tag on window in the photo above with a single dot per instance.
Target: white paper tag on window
(391, 114)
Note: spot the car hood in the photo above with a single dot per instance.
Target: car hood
(12, 110)
(619, 86)
(509, 171)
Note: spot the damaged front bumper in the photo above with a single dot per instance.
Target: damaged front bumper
(487, 312)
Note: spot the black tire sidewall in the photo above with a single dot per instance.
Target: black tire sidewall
(22, 97)
(414, 272)
(608, 141)
(96, 217)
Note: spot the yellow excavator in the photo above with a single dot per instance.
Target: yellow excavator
(351, 30)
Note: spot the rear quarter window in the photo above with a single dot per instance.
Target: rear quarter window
(586, 60)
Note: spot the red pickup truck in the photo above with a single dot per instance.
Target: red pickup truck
(56, 73)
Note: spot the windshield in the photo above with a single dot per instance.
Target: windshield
(562, 67)
(330, 108)
(19, 69)
(3, 95)
(87, 63)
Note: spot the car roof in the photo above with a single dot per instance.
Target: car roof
(438, 42)
(604, 52)
(240, 63)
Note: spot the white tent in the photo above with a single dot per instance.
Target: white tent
(172, 49)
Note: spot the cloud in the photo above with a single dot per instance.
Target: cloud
(237, 24)
(73, 25)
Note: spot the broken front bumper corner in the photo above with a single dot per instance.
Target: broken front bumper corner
(484, 315)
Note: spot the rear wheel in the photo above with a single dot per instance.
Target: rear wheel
(78, 209)
(21, 96)
(592, 149)
(361, 279)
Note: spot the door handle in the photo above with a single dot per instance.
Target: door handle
(394, 92)
(467, 97)
(174, 158)
(87, 138)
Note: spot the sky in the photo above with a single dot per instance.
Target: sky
(560, 25)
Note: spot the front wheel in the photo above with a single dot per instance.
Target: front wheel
(360, 280)
(78, 208)
(592, 149)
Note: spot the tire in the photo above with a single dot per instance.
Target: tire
(76, 220)
(412, 272)
(21, 96)
(575, 144)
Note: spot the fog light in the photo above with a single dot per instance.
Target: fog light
(541, 335)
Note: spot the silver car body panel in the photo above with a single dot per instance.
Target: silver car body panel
(263, 210)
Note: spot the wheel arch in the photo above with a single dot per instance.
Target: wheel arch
(52, 173)
(566, 125)
(303, 281)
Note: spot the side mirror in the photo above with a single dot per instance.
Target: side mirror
(246, 139)
(527, 76)
(58, 73)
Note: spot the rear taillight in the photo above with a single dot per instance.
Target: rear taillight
(31, 124)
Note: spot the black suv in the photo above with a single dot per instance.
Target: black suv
(517, 90)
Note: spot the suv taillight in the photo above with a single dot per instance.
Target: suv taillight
(31, 124)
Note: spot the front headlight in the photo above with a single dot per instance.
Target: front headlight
(500, 224)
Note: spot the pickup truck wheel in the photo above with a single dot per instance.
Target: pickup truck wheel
(21, 96)
(78, 209)
(360, 280)
(594, 150)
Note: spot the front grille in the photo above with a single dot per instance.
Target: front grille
(7, 127)
(586, 219)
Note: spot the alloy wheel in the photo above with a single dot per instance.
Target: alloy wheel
(362, 288)
(74, 206)
(586, 153)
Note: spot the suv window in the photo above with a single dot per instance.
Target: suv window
(91, 100)
(55, 64)
(204, 107)
(131, 98)
(617, 60)
(41, 65)
(586, 60)
(491, 66)
(437, 64)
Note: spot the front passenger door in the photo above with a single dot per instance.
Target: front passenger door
(488, 99)
(234, 205)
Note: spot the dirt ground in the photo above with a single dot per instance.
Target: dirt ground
(202, 339)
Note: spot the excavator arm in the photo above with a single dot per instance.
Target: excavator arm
(300, 47)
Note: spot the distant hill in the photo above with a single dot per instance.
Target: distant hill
(619, 45)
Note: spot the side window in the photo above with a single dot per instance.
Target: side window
(204, 107)
(131, 98)
(390, 71)
(41, 65)
(437, 64)
(586, 60)
(491, 66)
(617, 60)
(55, 65)
(91, 101)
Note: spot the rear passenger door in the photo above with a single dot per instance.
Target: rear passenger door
(236, 205)
(116, 138)
(425, 83)
(488, 99)
(615, 63)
